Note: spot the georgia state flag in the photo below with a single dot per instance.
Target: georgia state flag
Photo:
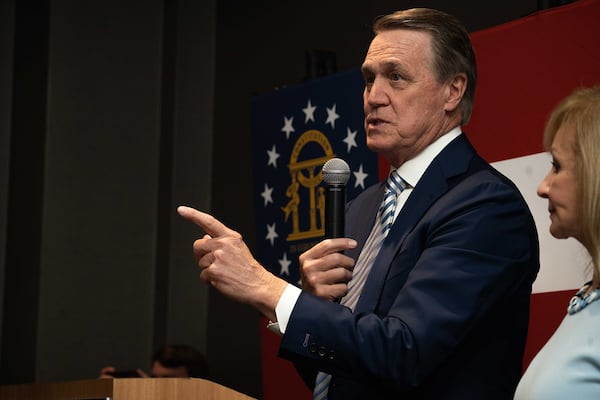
(295, 131)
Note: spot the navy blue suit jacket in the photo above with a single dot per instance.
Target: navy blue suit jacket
(444, 312)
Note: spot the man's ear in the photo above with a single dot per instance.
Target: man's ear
(456, 88)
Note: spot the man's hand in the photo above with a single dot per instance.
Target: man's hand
(325, 270)
(227, 264)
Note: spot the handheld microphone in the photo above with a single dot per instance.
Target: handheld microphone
(336, 173)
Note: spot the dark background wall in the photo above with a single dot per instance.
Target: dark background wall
(114, 112)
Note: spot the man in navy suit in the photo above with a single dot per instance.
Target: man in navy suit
(444, 310)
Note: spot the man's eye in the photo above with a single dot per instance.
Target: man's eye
(555, 166)
(396, 77)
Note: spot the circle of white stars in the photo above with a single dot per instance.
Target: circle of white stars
(273, 156)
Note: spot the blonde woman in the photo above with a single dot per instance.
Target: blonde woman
(569, 364)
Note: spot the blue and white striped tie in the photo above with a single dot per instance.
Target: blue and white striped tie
(394, 185)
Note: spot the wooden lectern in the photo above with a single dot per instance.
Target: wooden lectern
(123, 389)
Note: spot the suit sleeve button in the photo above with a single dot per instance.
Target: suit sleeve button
(322, 351)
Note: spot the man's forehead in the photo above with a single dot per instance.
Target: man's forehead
(399, 41)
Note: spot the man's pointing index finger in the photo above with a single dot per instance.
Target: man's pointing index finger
(210, 224)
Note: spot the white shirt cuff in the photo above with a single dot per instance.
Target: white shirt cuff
(284, 308)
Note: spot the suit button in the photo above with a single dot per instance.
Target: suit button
(331, 355)
(312, 348)
(322, 351)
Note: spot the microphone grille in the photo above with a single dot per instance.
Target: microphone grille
(336, 172)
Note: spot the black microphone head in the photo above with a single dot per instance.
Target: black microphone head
(336, 172)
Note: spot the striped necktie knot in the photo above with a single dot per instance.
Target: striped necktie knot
(394, 185)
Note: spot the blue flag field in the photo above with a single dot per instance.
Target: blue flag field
(295, 131)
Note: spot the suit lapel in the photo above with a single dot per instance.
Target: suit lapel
(452, 161)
